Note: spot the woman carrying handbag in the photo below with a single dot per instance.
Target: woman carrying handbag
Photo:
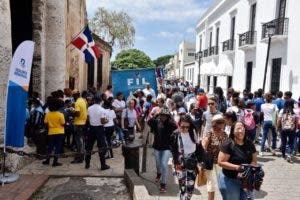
(186, 155)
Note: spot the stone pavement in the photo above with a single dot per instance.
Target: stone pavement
(281, 180)
(68, 169)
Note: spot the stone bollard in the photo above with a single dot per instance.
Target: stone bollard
(131, 153)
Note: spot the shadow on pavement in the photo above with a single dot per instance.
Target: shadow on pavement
(260, 194)
(264, 159)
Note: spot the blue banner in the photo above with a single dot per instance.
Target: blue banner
(17, 90)
(127, 81)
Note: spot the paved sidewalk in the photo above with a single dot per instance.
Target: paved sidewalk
(68, 169)
(281, 181)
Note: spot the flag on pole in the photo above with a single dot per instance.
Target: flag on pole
(17, 90)
(85, 43)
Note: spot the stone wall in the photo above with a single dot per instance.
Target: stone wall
(5, 58)
(76, 19)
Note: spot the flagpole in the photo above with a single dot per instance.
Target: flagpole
(76, 35)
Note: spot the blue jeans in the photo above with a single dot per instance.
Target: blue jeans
(297, 141)
(161, 159)
(266, 127)
(284, 136)
(119, 132)
(250, 134)
(231, 189)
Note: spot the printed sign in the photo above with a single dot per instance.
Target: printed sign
(127, 81)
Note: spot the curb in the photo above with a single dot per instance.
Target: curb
(135, 186)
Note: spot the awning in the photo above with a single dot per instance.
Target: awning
(208, 68)
(225, 68)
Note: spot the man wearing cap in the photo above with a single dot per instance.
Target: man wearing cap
(80, 114)
(149, 90)
(97, 118)
(163, 126)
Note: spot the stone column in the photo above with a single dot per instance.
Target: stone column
(38, 64)
(5, 58)
(55, 46)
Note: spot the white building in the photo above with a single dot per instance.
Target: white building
(186, 54)
(232, 42)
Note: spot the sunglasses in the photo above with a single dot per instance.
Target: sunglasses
(185, 127)
(239, 130)
(211, 104)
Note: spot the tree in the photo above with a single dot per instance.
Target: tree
(114, 27)
(132, 59)
(162, 61)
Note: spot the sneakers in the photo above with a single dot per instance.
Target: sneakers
(289, 159)
(46, 162)
(273, 152)
(105, 167)
(157, 179)
(261, 154)
(163, 188)
(56, 164)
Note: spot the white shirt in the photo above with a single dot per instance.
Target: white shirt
(150, 91)
(96, 112)
(268, 109)
(110, 115)
(131, 115)
(188, 145)
(118, 104)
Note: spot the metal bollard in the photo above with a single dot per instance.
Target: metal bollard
(131, 153)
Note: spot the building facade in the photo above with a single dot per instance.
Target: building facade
(57, 64)
(232, 43)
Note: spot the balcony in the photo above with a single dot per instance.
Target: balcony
(198, 55)
(213, 50)
(247, 40)
(228, 46)
(280, 29)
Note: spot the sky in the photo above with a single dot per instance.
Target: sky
(160, 25)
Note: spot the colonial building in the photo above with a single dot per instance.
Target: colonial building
(186, 54)
(232, 45)
(57, 64)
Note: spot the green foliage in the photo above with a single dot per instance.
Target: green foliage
(132, 59)
(162, 61)
(114, 27)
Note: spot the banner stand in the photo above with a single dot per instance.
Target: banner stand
(16, 96)
(7, 177)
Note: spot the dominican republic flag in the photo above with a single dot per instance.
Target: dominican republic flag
(84, 42)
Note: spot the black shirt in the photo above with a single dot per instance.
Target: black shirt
(239, 154)
(162, 132)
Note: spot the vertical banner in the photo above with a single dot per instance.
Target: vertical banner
(17, 91)
(127, 81)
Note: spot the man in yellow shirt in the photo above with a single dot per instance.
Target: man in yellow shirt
(55, 121)
(80, 114)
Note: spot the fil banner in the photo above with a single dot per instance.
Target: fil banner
(127, 81)
(17, 92)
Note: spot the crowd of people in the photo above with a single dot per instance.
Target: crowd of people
(216, 131)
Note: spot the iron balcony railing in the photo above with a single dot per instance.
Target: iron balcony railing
(280, 25)
(228, 45)
(198, 55)
(247, 38)
(214, 50)
(205, 53)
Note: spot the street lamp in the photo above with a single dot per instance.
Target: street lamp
(199, 63)
(270, 28)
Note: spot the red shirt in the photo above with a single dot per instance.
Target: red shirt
(202, 101)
